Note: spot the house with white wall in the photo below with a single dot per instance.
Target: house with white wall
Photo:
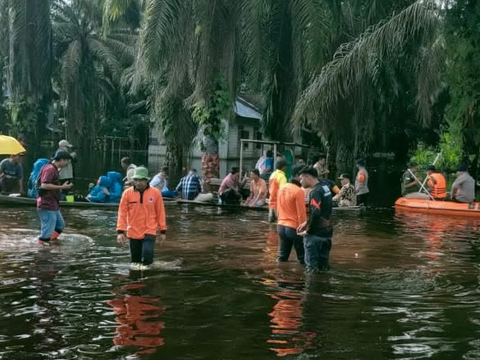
(245, 125)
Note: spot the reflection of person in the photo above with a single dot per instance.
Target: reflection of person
(141, 218)
(410, 182)
(258, 190)
(286, 323)
(48, 202)
(317, 230)
(11, 175)
(361, 183)
(139, 324)
(291, 214)
(463, 188)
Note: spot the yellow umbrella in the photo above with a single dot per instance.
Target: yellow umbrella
(10, 146)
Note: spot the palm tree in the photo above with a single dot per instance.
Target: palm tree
(26, 46)
(89, 65)
(346, 89)
(191, 48)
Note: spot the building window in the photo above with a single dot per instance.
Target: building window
(243, 134)
(258, 136)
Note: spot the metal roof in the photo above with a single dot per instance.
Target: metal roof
(246, 110)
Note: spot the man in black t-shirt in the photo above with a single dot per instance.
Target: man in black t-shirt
(317, 230)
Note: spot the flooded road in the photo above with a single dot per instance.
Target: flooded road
(401, 287)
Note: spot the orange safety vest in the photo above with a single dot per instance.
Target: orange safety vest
(141, 214)
(438, 190)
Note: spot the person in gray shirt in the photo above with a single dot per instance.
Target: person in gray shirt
(463, 189)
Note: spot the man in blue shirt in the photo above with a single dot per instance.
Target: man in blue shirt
(190, 185)
(11, 175)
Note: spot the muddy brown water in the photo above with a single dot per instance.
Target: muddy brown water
(402, 286)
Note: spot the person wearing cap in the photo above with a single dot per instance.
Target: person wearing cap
(11, 175)
(410, 180)
(141, 218)
(436, 183)
(463, 188)
(317, 230)
(291, 214)
(48, 201)
(276, 181)
(129, 171)
(321, 166)
(66, 173)
(361, 183)
(347, 196)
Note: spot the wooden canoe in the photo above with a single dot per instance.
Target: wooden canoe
(438, 207)
(353, 209)
(24, 201)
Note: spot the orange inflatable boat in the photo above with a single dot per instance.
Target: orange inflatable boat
(438, 207)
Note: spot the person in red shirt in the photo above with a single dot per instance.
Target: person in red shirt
(292, 213)
(48, 201)
(141, 218)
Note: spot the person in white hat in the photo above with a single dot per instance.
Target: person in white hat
(66, 173)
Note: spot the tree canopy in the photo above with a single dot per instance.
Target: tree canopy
(351, 76)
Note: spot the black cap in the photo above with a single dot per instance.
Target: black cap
(62, 155)
(431, 168)
(345, 176)
(360, 162)
(462, 167)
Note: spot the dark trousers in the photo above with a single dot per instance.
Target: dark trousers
(317, 253)
(362, 199)
(288, 239)
(230, 197)
(142, 250)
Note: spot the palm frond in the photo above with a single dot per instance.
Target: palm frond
(350, 66)
(104, 54)
(71, 61)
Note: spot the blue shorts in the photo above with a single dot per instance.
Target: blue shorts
(51, 220)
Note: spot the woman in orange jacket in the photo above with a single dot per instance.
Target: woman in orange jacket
(141, 218)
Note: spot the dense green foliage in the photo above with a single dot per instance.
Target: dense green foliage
(350, 76)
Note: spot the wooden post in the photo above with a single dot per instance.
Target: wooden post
(241, 158)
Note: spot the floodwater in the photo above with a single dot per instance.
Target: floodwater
(401, 287)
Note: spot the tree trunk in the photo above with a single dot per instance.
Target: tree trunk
(344, 157)
(210, 160)
(174, 161)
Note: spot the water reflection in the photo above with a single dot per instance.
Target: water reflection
(138, 316)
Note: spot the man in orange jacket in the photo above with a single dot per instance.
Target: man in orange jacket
(292, 212)
(141, 218)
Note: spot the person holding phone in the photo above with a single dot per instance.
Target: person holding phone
(48, 201)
